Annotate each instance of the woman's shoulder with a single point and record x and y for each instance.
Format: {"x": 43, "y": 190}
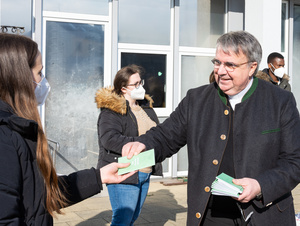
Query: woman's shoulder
{"x": 106, "y": 99}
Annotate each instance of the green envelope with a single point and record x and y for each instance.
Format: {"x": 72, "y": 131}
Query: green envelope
{"x": 142, "y": 160}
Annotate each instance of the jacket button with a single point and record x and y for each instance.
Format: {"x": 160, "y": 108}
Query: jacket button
{"x": 215, "y": 162}
{"x": 207, "y": 189}
{"x": 226, "y": 112}
{"x": 198, "y": 215}
{"x": 223, "y": 137}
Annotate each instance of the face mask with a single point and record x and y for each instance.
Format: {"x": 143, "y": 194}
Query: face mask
{"x": 41, "y": 91}
{"x": 279, "y": 72}
{"x": 138, "y": 93}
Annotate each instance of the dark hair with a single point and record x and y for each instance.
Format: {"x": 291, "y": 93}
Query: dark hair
{"x": 17, "y": 57}
{"x": 274, "y": 55}
{"x": 123, "y": 75}
{"x": 243, "y": 41}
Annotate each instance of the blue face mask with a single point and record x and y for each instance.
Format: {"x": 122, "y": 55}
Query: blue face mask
{"x": 42, "y": 90}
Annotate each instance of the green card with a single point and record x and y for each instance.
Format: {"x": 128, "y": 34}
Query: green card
{"x": 142, "y": 160}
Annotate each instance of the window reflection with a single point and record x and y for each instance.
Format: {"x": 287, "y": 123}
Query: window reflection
{"x": 16, "y": 13}
{"x": 144, "y": 22}
{"x": 154, "y": 74}
{"x": 201, "y": 27}
{"x": 94, "y": 7}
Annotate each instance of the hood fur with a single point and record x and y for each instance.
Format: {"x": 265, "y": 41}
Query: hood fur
{"x": 264, "y": 76}
{"x": 106, "y": 98}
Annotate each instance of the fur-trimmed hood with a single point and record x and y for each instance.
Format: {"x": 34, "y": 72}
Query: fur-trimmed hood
{"x": 106, "y": 98}
{"x": 264, "y": 75}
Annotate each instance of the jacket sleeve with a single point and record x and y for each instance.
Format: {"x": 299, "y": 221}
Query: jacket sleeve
{"x": 280, "y": 180}
{"x": 167, "y": 138}
{"x": 110, "y": 131}
{"x": 80, "y": 185}
{"x": 10, "y": 180}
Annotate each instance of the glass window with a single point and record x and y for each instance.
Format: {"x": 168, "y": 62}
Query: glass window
{"x": 203, "y": 26}
{"x": 154, "y": 66}
{"x": 74, "y": 69}
{"x": 16, "y": 13}
{"x": 94, "y": 7}
{"x": 284, "y": 18}
{"x": 144, "y": 22}
{"x": 198, "y": 68}
{"x": 296, "y": 53}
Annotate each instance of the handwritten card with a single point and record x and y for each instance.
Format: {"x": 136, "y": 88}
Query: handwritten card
{"x": 142, "y": 160}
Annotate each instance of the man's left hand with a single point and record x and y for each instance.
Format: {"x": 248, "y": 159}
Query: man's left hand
{"x": 251, "y": 189}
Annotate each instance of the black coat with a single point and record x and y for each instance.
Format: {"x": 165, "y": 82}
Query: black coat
{"x": 22, "y": 190}
{"x": 117, "y": 126}
{"x": 266, "y": 147}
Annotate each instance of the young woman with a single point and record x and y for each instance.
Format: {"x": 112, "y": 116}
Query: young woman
{"x": 30, "y": 190}
{"x": 126, "y": 112}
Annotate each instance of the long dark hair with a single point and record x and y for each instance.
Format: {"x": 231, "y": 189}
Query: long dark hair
{"x": 17, "y": 57}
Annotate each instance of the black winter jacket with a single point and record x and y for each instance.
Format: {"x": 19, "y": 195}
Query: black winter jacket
{"x": 22, "y": 190}
{"x": 117, "y": 126}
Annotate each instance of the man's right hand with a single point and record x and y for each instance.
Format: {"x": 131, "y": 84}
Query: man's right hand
{"x": 132, "y": 148}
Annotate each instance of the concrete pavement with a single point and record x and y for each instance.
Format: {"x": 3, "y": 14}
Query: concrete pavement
{"x": 165, "y": 205}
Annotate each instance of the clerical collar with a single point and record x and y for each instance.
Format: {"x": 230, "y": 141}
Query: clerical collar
{"x": 237, "y": 98}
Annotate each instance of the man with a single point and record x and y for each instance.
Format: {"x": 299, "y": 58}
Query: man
{"x": 239, "y": 125}
{"x": 275, "y": 73}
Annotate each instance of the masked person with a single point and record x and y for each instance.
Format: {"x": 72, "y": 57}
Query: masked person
{"x": 126, "y": 112}
{"x": 30, "y": 190}
{"x": 275, "y": 73}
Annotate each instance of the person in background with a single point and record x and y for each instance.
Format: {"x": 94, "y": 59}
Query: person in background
{"x": 275, "y": 73}
{"x": 126, "y": 112}
{"x": 30, "y": 190}
{"x": 242, "y": 126}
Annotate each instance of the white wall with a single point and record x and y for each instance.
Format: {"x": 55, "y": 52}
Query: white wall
{"x": 263, "y": 20}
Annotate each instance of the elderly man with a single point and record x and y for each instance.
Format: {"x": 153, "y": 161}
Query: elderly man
{"x": 239, "y": 125}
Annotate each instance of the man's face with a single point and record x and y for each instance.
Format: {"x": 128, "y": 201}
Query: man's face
{"x": 277, "y": 63}
{"x": 233, "y": 82}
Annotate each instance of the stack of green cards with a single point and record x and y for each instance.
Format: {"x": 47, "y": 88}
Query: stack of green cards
{"x": 142, "y": 160}
{"x": 223, "y": 185}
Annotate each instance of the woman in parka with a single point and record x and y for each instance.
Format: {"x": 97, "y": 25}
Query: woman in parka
{"x": 126, "y": 112}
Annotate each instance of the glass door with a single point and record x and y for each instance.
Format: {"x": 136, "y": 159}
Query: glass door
{"x": 74, "y": 67}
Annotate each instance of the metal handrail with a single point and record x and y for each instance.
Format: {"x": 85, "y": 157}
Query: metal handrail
{"x": 53, "y": 150}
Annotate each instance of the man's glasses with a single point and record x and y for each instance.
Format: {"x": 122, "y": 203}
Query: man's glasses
{"x": 137, "y": 84}
{"x": 230, "y": 67}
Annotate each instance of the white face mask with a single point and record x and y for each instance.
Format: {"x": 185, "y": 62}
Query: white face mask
{"x": 41, "y": 91}
{"x": 137, "y": 93}
{"x": 279, "y": 72}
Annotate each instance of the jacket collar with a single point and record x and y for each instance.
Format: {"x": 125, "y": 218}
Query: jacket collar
{"x": 26, "y": 128}
{"x": 105, "y": 98}
{"x": 223, "y": 96}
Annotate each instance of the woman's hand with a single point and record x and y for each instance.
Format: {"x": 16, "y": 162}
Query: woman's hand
{"x": 109, "y": 173}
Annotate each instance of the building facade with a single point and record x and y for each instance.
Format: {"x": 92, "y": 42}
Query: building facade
{"x": 85, "y": 42}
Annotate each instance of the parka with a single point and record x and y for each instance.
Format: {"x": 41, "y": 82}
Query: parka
{"x": 266, "y": 147}
{"x": 22, "y": 189}
{"x": 284, "y": 81}
{"x": 117, "y": 126}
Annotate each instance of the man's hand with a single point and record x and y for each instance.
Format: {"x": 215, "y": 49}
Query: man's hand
{"x": 132, "y": 148}
{"x": 251, "y": 189}
{"x": 109, "y": 173}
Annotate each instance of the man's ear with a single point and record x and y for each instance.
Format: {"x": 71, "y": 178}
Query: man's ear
{"x": 252, "y": 68}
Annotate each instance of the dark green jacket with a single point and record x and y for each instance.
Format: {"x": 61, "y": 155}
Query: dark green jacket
{"x": 266, "y": 147}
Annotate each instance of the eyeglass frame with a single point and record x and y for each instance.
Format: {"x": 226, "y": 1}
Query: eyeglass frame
{"x": 229, "y": 66}
{"x": 138, "y": 84}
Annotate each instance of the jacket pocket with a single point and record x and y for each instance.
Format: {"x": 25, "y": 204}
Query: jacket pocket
{"x": 285, "y": 203}
{"x": 270, "y": 131}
